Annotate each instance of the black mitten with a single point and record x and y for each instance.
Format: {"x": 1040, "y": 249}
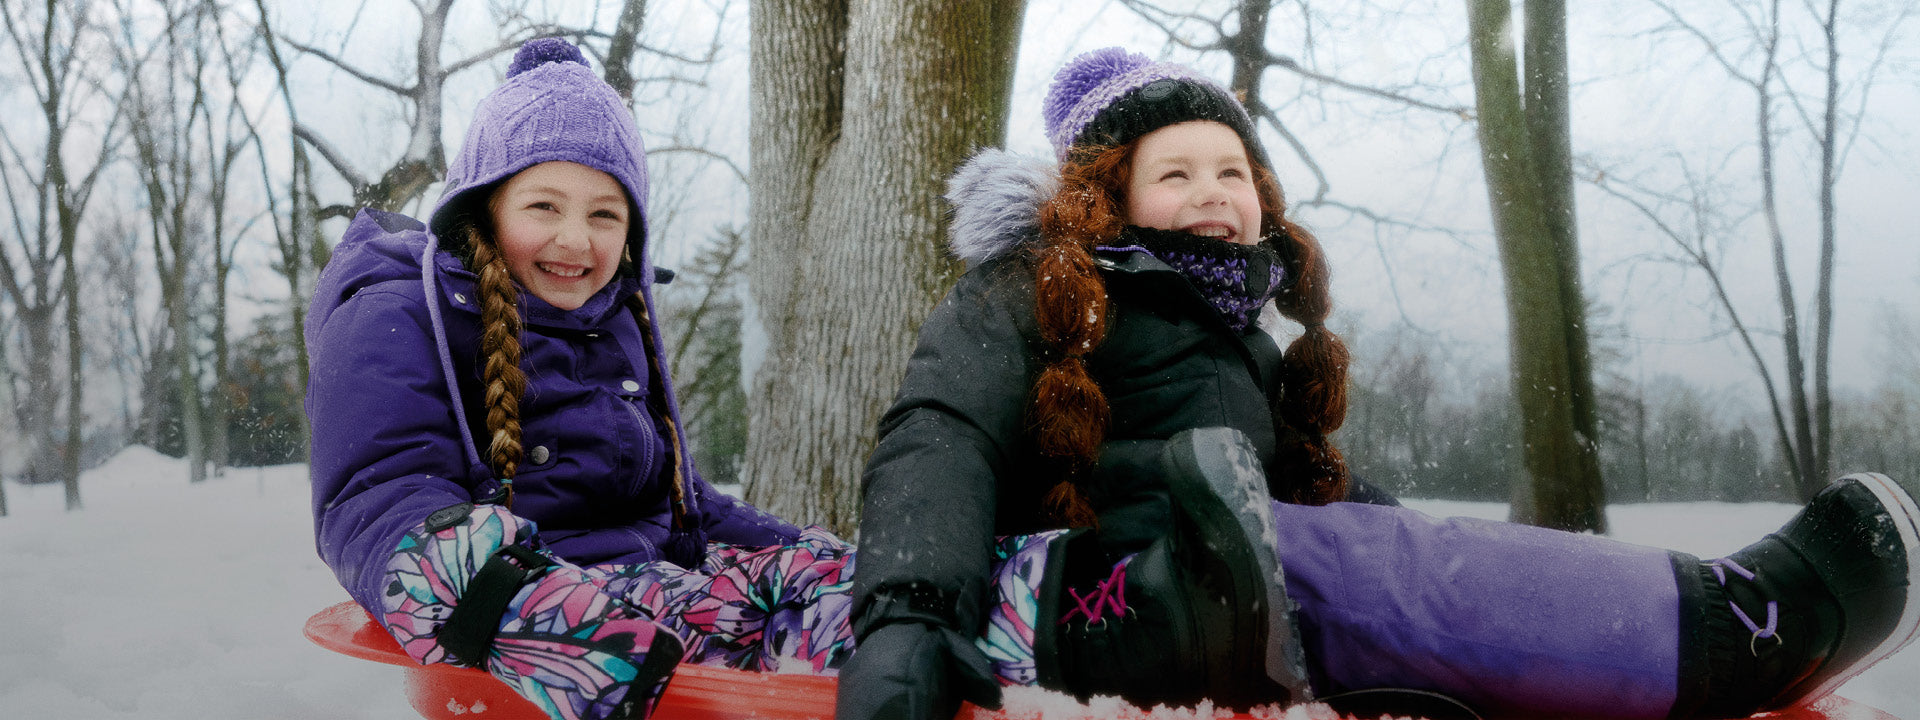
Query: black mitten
{"x": 914, "y": 671}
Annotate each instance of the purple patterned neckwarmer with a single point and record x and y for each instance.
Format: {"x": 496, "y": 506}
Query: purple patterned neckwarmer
{"x": 1235, "y": 279}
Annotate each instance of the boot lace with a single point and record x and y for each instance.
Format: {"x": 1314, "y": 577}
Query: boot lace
{"x": 1108, "y": 594}
{"x": 1771, "y": 631}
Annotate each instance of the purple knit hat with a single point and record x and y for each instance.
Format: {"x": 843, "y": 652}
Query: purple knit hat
{"x": 551, "y": 107}
{"x": 1111, "y": 97}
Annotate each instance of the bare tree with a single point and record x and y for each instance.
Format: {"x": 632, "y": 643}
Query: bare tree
{"x": 223, "y": 145}
{"x": 37, "y": 270}
{"x": 702, "y": 312}
{"x": 302, "y": 249}
{"x": 1805, "y": 426}
{"x": 1390, "y": 430}
{"x": 130, "y": 325}
{"x": 1527, "y": 153}
{"x": 1698, "y": 236}
{"x": 424, "y": 159}
{"x": 1241, "y": 32}
{"x": 859, "y": 112}
{"x": 170, "y": 107}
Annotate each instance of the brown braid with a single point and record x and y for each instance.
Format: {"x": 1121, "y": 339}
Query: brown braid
{"x": 1313, "y": 371}
{"x": 637, "y": 306}
{"x": 1069, "y": 413}
{"x": 500, "y": 346}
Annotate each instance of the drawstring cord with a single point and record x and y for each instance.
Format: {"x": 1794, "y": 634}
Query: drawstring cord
{"x": 1772, "y": 629}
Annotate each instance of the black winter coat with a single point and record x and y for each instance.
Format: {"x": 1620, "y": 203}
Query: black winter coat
{"x": 955, "y": 465}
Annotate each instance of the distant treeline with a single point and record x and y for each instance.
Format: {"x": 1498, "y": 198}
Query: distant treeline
{"x": 1421, "y": 427}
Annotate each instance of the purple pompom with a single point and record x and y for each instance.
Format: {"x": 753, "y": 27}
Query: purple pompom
{"x": 1082, "y": 75}
{"x": 540, "y": 51}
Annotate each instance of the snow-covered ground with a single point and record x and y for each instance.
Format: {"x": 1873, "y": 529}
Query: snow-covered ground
{"x": 166, "y": 600}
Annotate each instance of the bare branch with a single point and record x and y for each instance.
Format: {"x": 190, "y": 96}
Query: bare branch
{"x": 336, "y": 211}
{"x": 1866, "y": 87}
{"x": 738, "y": 172}
{"x": 333, "y": 156}
{"x": 1166, "y": 21}
{"x": 712, "y": 52}
{"x": 1321, "y": 185}
{"x": 20, "y": 47}
{"x": 109, "y": 146}
{"x": 8, "y": 275}
{"x": 731, "y": 242}
{"x": 1697, "y": 256}
{"x": 1222, "y": 40}
{"x": 1461, "y": 111}
{"x": 362, "y": 75}
{"x": 482, "y": 56}
{"x": 1712, "y": 47}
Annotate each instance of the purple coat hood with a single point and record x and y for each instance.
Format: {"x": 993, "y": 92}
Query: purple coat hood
{"x": 393, "y": 318}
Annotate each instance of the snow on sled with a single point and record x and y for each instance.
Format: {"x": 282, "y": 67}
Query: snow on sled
{"x": 698, "y": 692}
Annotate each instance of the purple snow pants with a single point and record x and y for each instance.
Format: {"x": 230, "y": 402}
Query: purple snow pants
{"x": 1510, "y": 619}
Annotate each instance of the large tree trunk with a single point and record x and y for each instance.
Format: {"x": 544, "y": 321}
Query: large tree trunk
{"x": 860, "y": 111}
{"x": 1527, "y": 156}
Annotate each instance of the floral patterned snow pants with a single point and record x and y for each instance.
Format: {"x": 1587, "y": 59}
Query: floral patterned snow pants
{"x": 788, "y": 608}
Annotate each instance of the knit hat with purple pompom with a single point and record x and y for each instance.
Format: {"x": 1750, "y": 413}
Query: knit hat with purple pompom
{"x": 551, "y": 107}
{"x": 1111, "y": 97}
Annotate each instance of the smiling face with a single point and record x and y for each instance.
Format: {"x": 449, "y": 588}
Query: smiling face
{"x": 1194, "y": 177}
{"x": 561, "y": 227}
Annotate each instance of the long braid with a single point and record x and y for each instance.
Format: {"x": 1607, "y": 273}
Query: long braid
{"x": 637, "y": 306}
{"x": 1313, "y": 370}
{"x": 500, "y": 346}
{"x": 1069, "y": 414}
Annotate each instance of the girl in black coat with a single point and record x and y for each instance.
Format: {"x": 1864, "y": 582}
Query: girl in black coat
{"x": 1099, "y": 467}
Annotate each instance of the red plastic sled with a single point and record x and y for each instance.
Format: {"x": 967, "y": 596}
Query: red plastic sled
{"x": 698, "y": 692}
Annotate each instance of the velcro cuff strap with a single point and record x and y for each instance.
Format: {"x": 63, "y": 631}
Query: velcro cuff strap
{"x": 470, "y": 628}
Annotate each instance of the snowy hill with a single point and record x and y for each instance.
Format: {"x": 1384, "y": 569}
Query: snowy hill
{"x": 165, "y": 600}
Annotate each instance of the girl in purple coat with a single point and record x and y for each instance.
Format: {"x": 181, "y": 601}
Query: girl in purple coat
{"x": 499, "y": 471}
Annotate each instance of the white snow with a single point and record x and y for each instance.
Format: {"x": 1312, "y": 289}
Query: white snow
{"x": 168, "y": 600}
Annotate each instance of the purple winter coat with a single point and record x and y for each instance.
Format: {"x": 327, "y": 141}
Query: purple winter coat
{"x": 389, "y": 446}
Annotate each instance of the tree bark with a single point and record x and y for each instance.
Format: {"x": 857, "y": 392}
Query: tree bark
{"x": 1526, "y": 154}
{"x": 860, "y": 111}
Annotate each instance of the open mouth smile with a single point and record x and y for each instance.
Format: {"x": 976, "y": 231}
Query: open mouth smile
{"x": 563, "y": 271}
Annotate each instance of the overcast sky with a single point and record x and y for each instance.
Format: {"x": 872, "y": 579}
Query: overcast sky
{"x": 1648, "y": 101}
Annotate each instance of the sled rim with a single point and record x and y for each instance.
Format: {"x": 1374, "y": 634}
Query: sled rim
{"x": 699, "y": 692}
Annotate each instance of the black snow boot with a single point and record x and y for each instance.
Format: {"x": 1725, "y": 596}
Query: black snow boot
{"x": 1806, "y": 608}
{"x": 1202, "y": 613}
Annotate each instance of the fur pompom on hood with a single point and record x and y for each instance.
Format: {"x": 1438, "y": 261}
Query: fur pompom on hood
{"x": 996, "y": 200}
